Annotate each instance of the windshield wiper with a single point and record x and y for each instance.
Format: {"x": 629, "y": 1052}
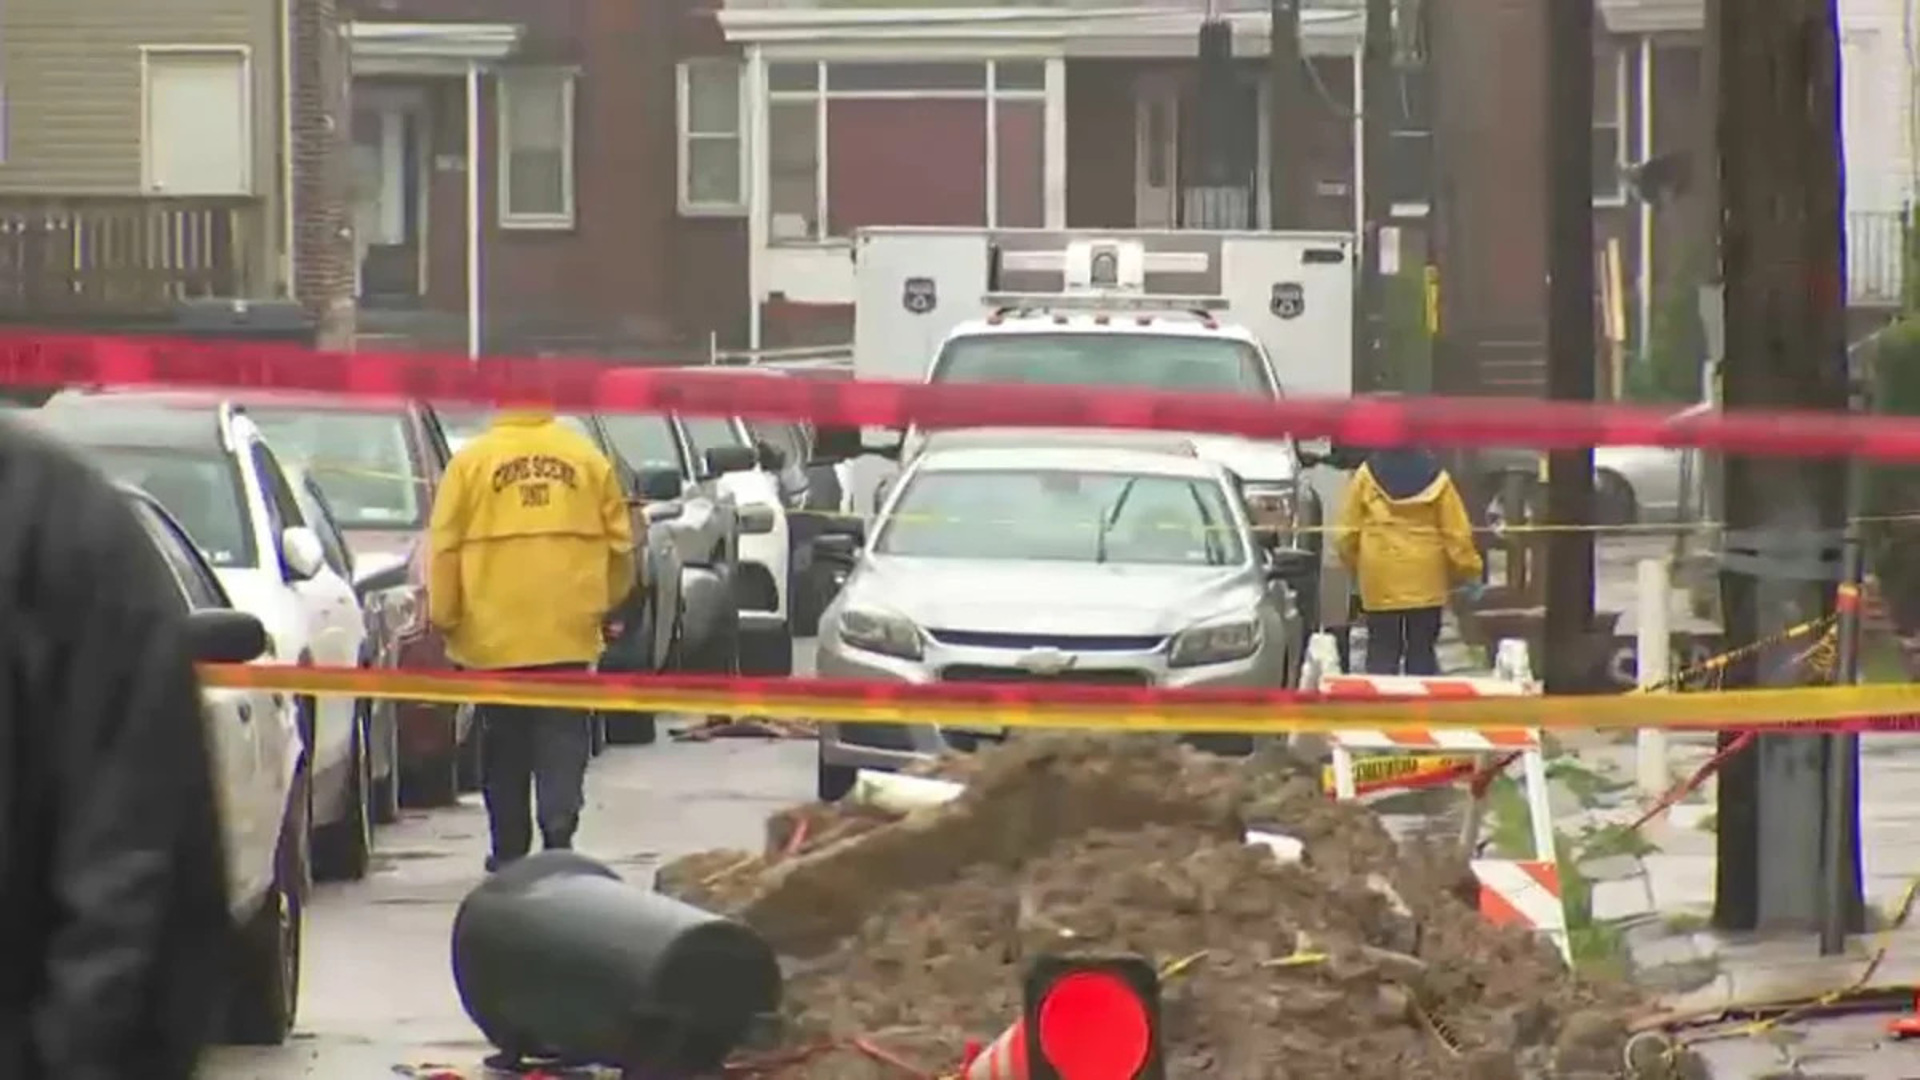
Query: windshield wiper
{"x": 1110, "y": 518}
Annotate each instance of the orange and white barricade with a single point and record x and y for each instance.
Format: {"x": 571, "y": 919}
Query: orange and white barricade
{"x": 1512, "y": 892}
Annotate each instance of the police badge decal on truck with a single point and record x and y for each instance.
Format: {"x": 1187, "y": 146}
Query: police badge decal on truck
{"x": 918, "y": 296}
{"x": 1289, "y": 300}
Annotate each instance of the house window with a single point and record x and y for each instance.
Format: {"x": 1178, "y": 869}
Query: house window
{"x": 1409, "y": 166}
{"x": 940, "y": 143}
{"x": 712, "y": 146}
{"x": 536, "y": 149}
{"x": 1611, "y": 151}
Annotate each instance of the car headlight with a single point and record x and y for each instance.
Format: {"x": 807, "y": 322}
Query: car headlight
{"x": 1271, "y": 511}
{"x": 1216, "y": 643}
{"x": 881, "y": 632}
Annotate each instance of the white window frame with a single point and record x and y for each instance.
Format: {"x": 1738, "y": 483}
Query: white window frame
{"x": 683, "y": 124}
{"x": 503, "y": 149}
{"x": 1622, "y": 124}
{"x": 819, "y": 96}
{"x": 1622, "y": 143}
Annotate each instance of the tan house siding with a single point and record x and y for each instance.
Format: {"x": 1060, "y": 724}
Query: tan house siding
{"x": 71, "y": 71}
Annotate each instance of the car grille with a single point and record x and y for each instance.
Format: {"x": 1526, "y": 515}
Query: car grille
{"x": 1090, "y": 677}
{"x": 1063, "y": 642}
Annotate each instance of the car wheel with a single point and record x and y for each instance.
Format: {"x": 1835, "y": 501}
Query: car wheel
{"x": 631, "y": 729}
{"x": 433, "y": 781}
{"x": 386, "y": 789}
{"x": 343, "y": 849}
{"x": 1613, "y": 499}
{"x": 832, "y": 782}
{"x": 767, "y": 653}
{"x": 266, "y": 987}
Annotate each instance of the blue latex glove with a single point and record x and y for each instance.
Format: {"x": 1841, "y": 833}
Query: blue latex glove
{"x": 1472, "y": 592}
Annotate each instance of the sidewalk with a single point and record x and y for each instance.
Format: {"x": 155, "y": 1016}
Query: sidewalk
{"x": 1660, "y": 900}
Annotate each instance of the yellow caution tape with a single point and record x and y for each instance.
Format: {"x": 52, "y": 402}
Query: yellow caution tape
{"x": 1876, "y": 707}
{"x": 1387, "y": 770}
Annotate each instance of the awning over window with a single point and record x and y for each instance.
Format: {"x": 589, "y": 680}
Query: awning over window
{"x": 397, "y": 48}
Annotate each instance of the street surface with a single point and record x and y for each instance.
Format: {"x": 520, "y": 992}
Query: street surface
{"x": 377, "y": 994}
{"x": 377, "y": 991}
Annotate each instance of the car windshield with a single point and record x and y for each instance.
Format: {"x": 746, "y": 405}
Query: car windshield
{"x": 203, "y": 491}
{"x": 1062, "y": 516}
{"x": 644, "y": 442}
{"x": 1173, "y": 362}
{"x": 362, "y": 460}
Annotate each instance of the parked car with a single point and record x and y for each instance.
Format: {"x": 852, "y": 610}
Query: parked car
{"x": 380, "y": 466}
{"x": 381, "y": 764}
{"x": 1631, "y": 484}
{"x": 726, "y": 462}
{"x": 206, "y": 462}
{"x": 1112, "y": 560}
{"x": 259, "y": 770}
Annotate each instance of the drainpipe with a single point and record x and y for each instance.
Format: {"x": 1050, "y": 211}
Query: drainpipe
{"x": 288, "y": 221}
{"x": 474, "y": 314}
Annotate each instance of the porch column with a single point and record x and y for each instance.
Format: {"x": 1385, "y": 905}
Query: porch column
{"x": 759, "y": 199}
{"x": 1054, "y": 164}
{"x": 474, "y": 230}
{"x": 1643, "y": 275}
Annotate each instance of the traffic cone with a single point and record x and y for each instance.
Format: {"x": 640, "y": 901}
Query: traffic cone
{"x": 1004, "y": 1059}
{"x": 1905, "y": 1027}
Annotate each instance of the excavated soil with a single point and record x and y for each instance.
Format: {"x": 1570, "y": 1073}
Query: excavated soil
{"x": 911, "y": 935}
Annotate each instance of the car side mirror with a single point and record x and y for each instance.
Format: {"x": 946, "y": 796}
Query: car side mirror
{"x": 721, "y": 460}
{"x": 659, "y": 485}
{"x": 832, "y": 445}
{"x": 386, "y": 575}
{"x": 301, "y": 553}
{"x": 225, "y": 636}
{"x": 883, "y": 442}
{"x": 771, "y": 457}
{"x": 1291, "y": 564}
{"x": 838, "y": 548}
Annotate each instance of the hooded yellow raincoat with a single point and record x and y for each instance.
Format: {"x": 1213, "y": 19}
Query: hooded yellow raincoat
{"x": 1404, "y": 533}
{"x": 531, "y": 546}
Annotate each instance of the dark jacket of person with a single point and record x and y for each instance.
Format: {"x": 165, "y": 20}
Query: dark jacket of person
{"x": 114, "y": 923}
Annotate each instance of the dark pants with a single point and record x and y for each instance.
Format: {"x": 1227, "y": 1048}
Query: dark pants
{"x": 1403, "y": 642}
{"x": 527, "y": 751}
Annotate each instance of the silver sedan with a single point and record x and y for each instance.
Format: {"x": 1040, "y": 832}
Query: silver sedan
{"x": 1054, "y": 563}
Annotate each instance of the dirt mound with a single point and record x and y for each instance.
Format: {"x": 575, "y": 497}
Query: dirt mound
{"x": 1361, "y": 962}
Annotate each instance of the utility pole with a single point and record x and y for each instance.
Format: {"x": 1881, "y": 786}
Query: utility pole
{"x": 1377, "y": 115}
{"x": 1570, "y": 660}
{"x": 1287, "y": 166}
{"x": 1790, "y": 854}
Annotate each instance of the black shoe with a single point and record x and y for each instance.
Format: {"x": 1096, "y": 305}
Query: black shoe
{"x": 556, "y": 842}
{"x": 506, "y": 1061}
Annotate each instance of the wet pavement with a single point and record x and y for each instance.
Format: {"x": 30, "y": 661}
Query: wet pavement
{"x": 377, "y": 995}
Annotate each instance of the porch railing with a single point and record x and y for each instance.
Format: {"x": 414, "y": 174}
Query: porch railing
{"x": 69, "y": 257}
{"x": 1876, "y": 258}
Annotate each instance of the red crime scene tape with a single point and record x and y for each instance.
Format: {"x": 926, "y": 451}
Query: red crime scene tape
{"x": 64, "y": 360}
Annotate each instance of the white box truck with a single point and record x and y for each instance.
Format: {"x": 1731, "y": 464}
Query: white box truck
{"x": 1262, "y": 314}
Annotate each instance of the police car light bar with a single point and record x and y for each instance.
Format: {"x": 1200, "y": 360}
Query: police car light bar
{"x": 1102, "y": 301}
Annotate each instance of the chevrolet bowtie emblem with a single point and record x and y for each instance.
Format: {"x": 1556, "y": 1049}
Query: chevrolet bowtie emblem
{"x": 1046, "y": 661}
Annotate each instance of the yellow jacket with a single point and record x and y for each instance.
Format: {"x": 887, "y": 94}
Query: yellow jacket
{"x": 1404, "y": 533}
{"x": 531, "y": 547}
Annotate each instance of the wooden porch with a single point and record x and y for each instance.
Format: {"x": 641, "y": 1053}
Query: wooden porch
{"x": 68, "y": 257}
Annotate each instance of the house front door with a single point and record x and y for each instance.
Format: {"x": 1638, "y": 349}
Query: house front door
{"x": 389, "y": 209}
{"x": 1156, "y": 151}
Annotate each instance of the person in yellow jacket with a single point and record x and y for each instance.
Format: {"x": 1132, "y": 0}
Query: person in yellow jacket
{"x": 532, "y": 548}
{"x": 1404, "y": 534}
